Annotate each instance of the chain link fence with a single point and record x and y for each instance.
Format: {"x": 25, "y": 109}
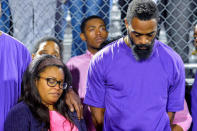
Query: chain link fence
{"x": 30, "y": 20}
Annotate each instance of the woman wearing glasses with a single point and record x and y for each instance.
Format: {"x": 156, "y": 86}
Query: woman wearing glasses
{"x": 42, "y": 105}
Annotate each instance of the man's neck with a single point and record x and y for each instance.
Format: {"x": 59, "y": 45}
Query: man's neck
{"x": 92, "y": 51}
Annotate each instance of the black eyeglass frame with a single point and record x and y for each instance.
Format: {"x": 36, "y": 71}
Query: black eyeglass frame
{"x": 53, "y": 84}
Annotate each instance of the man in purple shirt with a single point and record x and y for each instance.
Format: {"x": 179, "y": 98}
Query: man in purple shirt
{"x": 14, "y": 58}
{"x": 194, "y": 104}
{"x": 136, "y": 83}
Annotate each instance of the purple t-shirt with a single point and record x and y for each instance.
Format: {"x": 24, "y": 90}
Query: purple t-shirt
{"x": 194, "y": 104}
{"x": 14, "y": 58}
{"x": 136, "y": 95}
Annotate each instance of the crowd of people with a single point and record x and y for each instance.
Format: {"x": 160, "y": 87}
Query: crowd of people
{"x": 130, "y": 83}
{"x": 22, "y": 20}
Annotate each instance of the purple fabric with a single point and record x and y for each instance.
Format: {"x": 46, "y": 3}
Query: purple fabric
{"x": 14, "y": 58}
{"x": 136, "y": 95}
{"x": 194, "y": 104}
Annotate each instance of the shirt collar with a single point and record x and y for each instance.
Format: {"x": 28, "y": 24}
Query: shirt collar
{"x": 88, "y": 53}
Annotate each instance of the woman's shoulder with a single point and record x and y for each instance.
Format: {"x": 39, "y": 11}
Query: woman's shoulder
{"x": 20, "y": 108}
{"x": 18, "y": 117}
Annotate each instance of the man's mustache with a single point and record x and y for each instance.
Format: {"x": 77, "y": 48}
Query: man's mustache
{"x": 143, "y": 46}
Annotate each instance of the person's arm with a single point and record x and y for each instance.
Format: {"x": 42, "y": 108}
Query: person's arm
{"x": 96, "y": 89}
{"x": 97, "y": 117}
{"x": 174, "y": 127}
{"x": 74, "y": 103}
{"x": 171, "y": 117}
{"x": 176, "y": 92}
{"x": 182, "y": 119}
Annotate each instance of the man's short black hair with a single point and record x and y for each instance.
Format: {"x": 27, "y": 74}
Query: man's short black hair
{"x": 108, "y": 41}
{"x": 143, "y": 10}
{"x": 83, "y": 24}
{"x": 45, "y": 39}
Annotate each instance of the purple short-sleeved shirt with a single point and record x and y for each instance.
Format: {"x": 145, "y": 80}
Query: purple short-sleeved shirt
{"x": 14, "y": 59}
{"x": 194, "y": 104}
{"x": 136, "y": 95}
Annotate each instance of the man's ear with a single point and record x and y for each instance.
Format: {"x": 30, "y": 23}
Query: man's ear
{"x": 32, "y": 56}
{"x": 126, "y": 23}
{"x": 82, "y": 36}
{"x": 107, "y": 34}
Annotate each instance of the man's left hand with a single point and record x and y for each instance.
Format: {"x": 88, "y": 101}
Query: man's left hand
{"x": 74, "y": 103}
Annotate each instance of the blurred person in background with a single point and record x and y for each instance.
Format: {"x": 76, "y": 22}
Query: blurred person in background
{"x": 5, "y": 20}
{"x": 80, "y": 9}
{"x": 32, "y": 20}
{"x": 175, "y": 17}
{"x": 193, "y": 56}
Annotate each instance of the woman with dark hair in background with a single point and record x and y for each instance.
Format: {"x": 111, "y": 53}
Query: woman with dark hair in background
{"x": 42, "y": 105}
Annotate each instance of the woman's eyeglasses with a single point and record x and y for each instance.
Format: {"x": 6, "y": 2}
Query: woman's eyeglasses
{"x": 52, "y": 82}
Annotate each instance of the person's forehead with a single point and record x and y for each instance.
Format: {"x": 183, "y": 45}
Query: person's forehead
{"x": 143, "y": 26}
{"x": 47, "y": 44}
{"x": 51, "y": 71}
{"x": 94, "y": 22}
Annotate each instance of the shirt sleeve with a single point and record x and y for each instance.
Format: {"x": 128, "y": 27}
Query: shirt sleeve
{"x": 176, "y": 92}
{"x": 194, "y": 103}
{"x": 183, "y": 118}
{"x": 95, "y": 93}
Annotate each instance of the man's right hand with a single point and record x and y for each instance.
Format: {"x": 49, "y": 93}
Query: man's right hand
{"x": 97, "y": 117}
{"x": 176, "y": 128}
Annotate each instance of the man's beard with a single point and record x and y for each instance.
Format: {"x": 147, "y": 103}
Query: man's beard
{"x": 141, "y": 51}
